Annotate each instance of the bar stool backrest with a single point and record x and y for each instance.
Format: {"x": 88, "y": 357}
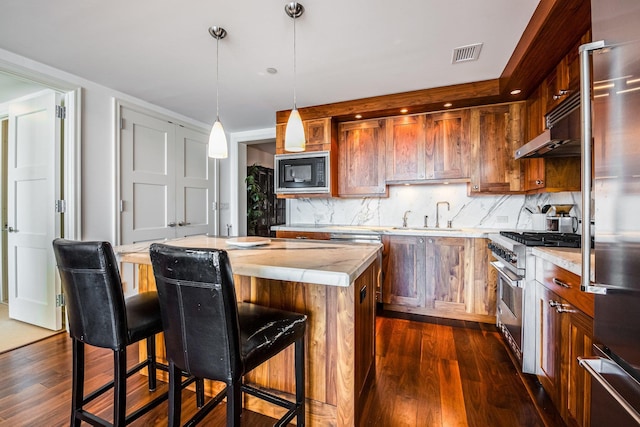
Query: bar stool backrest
{"x": 94, "y": 299}
{"x": 199, "y": 310}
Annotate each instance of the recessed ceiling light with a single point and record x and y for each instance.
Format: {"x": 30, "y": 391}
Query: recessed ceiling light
{"x": 272, "y": 70}
{"x": 516, "y": 92}
{"x": 448, "y": 104}
{"x": 404, "y": 111}
{"x": 358, "y": 116}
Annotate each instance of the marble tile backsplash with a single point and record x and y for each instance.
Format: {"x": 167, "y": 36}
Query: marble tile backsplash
{"x": 487, "y": 211}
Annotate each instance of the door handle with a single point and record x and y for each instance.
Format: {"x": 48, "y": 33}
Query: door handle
{"x": 171, "y": 224}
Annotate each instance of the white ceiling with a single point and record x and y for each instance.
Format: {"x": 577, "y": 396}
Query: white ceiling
{"x": 160, "y": 50}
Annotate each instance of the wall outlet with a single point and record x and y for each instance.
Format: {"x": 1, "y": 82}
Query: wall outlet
{"x": 502, "y": 219}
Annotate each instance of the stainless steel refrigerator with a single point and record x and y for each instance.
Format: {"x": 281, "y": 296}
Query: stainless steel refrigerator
{"x": 610, "y": 86}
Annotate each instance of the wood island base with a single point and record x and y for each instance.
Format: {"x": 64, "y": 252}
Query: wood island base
{"x": 340, "y": 344}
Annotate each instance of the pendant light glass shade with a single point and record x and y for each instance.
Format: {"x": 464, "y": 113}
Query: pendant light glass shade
{"x": 294, "y": 139}
{"x": 217, "y": 137}
{"x": 218, "y": 142}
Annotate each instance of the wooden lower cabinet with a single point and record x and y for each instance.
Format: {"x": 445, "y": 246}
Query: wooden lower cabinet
{"x": 404, "y": 270}
{"x": 438, "y": 276}
{"x": 564, "y": 333}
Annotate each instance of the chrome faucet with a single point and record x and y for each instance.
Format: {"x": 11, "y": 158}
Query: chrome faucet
{"x": 438, "y": 212}
{"x": 404, "y": 218}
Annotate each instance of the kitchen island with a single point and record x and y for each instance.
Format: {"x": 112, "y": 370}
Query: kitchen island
{"x": 334, "y": 284}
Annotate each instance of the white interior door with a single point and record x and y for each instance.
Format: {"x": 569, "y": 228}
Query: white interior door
{"x": 147, "y": 177}
{"x": 194, "y": 183}
{"x": 33, "y": 186}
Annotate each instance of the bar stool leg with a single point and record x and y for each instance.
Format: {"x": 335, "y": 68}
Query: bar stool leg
{"x": 234, "y": 403}
{"x": 120, "y": 387}
{"x": 151, "y": 359}
{"x": 175, "y": 395}
{"x": 300, "y": 381}
{"x": 77, "y": 387}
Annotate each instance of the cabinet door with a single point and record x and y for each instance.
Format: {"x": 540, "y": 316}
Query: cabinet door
{"x": 445, "y": 289}
{"x": 496, "y": 132}
{"x": 534, "y": 168}
{"x": 405, "y": 148}
{"x": 550, "y": 338}
{"x": 577, "y": 343}
{"x": 403, "y": 262}
{"x": 361, "y": 151}
{"x": 447, "y": 145}
{"x": 318, "y": 133}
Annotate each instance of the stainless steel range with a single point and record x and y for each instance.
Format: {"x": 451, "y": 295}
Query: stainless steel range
{"x": 516, "y": 289}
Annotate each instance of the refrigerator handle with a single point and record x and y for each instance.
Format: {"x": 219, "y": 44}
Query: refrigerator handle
{"x": 585, "y": 109}
{"x": 598, "y": 366}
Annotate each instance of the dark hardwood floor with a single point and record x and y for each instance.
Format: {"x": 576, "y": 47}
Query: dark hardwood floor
{"x": 428, "y": 373}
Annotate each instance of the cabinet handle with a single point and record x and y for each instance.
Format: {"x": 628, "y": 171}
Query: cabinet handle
{"x": 301, "y": 237}
{"x": 560, "y": 94}
{"x": 565, "y": 308}
{"x": 475, "y": 187}
{"x": 554, "y": 304}
{"x": 539, "y": 182}
{"x": 171, "y": 224}
{"x": 561, "y": 283}
{"x": 183, "y": 223}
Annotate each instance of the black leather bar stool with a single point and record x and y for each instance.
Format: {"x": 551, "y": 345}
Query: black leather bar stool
{"x": 99, "y": 315}
{"x": 209, "y": 335}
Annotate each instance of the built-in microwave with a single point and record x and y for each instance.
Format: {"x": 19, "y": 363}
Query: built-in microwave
{"x": 302, "y": 173}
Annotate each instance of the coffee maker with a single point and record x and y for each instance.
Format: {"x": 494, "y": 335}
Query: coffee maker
{"x": 560, "y": 220}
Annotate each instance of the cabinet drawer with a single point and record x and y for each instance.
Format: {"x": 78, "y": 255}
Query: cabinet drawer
{"x": 565, "y": 284}
{"x": 312, "y": 235}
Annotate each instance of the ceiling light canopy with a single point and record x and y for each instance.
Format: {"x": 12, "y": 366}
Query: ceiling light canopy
{"x": 217, "y": 138}
{"x": 294, "y": 138}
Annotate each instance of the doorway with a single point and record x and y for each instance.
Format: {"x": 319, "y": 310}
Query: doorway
{"x": 16, "y": 271}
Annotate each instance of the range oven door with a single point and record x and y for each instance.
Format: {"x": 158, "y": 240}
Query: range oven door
{"x": 509, "y": 309}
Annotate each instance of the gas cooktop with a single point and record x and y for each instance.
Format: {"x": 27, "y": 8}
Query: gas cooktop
{"x": 541, "y": 238}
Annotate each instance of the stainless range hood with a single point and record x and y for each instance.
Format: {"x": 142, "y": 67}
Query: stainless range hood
{"x": 562, "y": 137}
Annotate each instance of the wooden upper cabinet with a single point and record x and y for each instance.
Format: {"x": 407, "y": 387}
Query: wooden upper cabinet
{"x": 447, "y": 145}
{"x": 320, "y": 135}
{"x": 405, "y": 148}
{"x": 361, "y": 158}
{"x": 496, "y": 132}
{"x": 428, "y": 147}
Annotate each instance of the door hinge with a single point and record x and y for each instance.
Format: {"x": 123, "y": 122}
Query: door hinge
{"x": 61, "y": 112}
{"x": 61, "y": 206}
{"x": 60, "y": 300}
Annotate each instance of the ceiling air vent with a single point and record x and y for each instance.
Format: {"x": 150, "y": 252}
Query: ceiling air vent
{"x": 466, "y": 53}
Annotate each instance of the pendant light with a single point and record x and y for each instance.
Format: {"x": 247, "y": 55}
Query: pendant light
{"x": 217, "y": 138}
{"x": 294, "y": 139}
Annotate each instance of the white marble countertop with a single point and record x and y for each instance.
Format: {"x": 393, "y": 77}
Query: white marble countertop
{"x": 366, "y": 229}
{"x": 323, "y": 263}
{"x": 568, "y": 258}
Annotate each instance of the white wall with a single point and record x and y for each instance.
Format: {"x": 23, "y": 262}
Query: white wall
{"x": 97, "y": 139}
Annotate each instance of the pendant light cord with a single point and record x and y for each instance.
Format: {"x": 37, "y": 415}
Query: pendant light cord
{"x": 217, "y": 80}
{"x": 294, "y": 58}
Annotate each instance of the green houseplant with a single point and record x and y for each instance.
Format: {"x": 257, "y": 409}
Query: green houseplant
{"x": 256, "y": 199}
